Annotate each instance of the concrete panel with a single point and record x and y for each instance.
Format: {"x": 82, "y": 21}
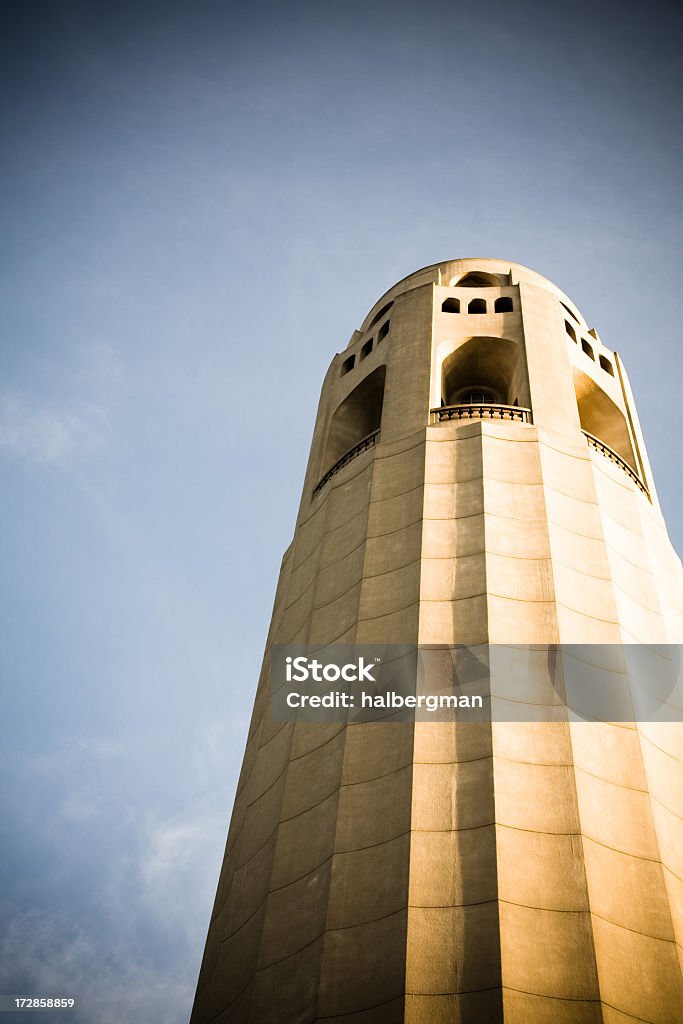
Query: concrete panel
{"x": 453, "y": 501}
{"x": 363, "y": 966}
{"x": 453, "y": 868}
{"x": 445, "y": 799}
{"x": 260, "y": 818}
{"x": 520, "y": 578}
{"x": 454, "y": 622}
{"x": 391, "y": 514}
{"x": 609, "y": 751}
{"x": 295, "y": 916}
{"x": 287, "y": 990}
{"x": 369, "y": 884}
{"x": 573, "y": 514}
{"x": 247, "y": 892}
{"x": 616, "y": 816}
{"x": 330, "y": 620}
{"x": 568, "y": 472}
{"x": 447, "y": 579}
{"x": 537, "y": 797}
{"x": 336, "y": 580}
{"x": 460, "y": 462}
{"x": 374, "y": 812}
{"x": 521, "y": 622}
{"x": 536, "y": 869}
{"x": 313, "y": 777}
{"x": 389, "y": 629}
{"x": 650, "y": 986}
{"x": 384, "y": 594}
{"x": 453, "y": 949}
{"x": 566, "y": 968}
{"x": 628, "y": 891}
{"x": 389, "y": 552}
{"x": 375, "y": 749}
{"x": 444, "y": 538}
{"x": 305, "y": 842}
{"x": 513, "y": 536}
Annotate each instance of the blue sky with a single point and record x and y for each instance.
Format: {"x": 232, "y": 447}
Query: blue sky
{"x": 199, "y": 206}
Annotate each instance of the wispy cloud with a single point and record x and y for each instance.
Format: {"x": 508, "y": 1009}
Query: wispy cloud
{"x": 54, "y": 434}
{"x": 127, "y": 941}
{"x": 112, "y": 980}
{"x": 68, "y": 423}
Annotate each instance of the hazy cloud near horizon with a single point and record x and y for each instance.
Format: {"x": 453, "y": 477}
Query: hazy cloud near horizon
{"x": 201, "y": 203}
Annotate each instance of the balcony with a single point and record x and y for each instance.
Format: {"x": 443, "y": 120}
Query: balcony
{"x": 480, "y": 412}
{"x": 367, "y": 442}
{"x": 604, "y": 449}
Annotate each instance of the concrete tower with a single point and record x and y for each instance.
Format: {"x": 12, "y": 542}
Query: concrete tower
{"x": 477, "y": 476}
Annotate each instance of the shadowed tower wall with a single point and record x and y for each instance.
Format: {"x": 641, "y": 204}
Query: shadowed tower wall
{"x": 477, "y": 475}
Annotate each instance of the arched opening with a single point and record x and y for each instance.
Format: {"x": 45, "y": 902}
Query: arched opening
{"x": 378, "y": 316}
{"x": 367, "y": 348}
{"x": 347, "y": 365}
{"x": 483, "y": 371}
{"x": 570, "y": 330}
{"x": 383, "y": 331}
{"x": 477, "y": 306}
{"x": 450, "y": 306}
{"x": 588, "y": 349}
{"x": 603, "y": 419}
{"x": 503, "y": 304}
{"x": 606, "y": 365}
{"x": 358, "y": 415}
{"x": 481, "y": 279}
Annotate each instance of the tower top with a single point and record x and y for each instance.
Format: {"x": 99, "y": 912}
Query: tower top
{"x": 473, "y": 272}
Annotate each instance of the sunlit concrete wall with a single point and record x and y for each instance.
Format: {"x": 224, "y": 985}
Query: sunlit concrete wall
{"x": 526, "y": 872}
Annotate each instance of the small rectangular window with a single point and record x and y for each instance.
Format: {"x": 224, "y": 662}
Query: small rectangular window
{"x": 348, "y": 364}
{"x": 367, "y": 348}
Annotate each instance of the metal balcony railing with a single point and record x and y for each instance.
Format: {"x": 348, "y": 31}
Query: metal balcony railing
{"x": 605, "y": 449}
{"x": 367, "y": 442}
{"x": 484, "y": 411}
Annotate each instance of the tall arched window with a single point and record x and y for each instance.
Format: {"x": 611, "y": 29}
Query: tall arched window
{"x": 602, "y": 418}
{"x": 488, "y": 371}
{"x": 588, "y": 349}
{"x": 477, "y": 306}
{"x": 358, "y": 415}
{"x": 570, "y": 330}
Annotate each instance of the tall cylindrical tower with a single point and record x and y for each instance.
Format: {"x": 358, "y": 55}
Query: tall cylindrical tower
{"x": 477, "y": 476}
